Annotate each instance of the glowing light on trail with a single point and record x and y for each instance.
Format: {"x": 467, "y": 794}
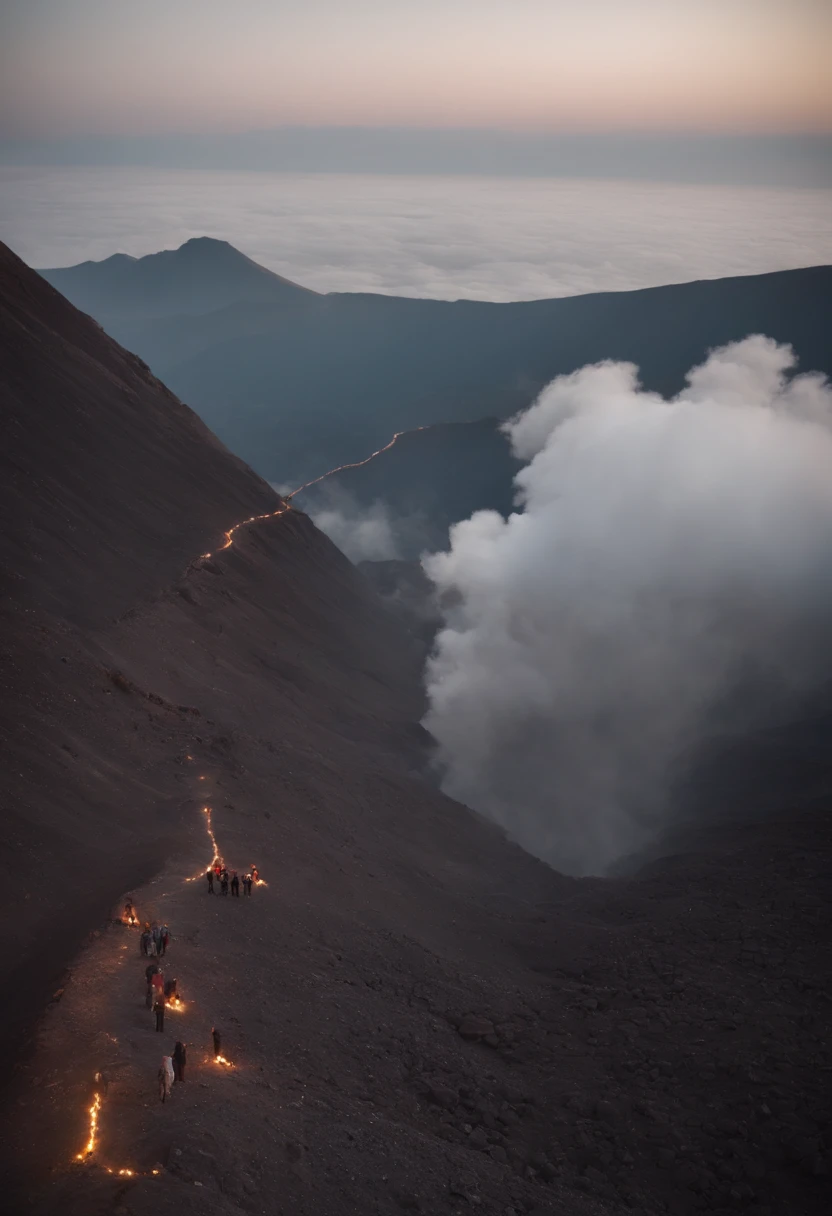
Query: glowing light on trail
{"x": 287, "y": 498}
{"x": 89, "y": 1149}
{"x": 92, "y": 1143}
{"x": 217, "y": 856}
{"x": 355, "y": 464}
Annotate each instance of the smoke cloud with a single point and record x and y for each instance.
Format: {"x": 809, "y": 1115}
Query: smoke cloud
{"x": 668, "y": 578}
{"x": 361, "y": 533}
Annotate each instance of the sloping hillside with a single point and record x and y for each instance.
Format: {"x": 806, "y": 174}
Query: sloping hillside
{"x": 299, "y": 385}
{"x": 418, "y": 1016}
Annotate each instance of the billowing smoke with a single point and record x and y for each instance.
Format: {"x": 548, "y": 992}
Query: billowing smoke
{"x": 668, "y": 579}
{"x": 362, "y": 533}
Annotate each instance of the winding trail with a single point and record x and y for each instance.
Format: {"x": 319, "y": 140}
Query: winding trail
{"x": 307, "y": 485}
{"x": 89, "y": 1151}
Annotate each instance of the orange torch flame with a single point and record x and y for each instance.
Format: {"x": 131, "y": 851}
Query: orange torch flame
{"x": 89, "y": 1148}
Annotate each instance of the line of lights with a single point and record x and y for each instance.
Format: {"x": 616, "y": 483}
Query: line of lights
{"x": 307, "y": 485}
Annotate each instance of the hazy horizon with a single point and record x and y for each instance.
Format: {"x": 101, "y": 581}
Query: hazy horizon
{"x": 444, "y": 237}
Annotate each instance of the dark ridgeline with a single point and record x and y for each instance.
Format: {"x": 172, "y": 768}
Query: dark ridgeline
{"x": 296, "y": 382}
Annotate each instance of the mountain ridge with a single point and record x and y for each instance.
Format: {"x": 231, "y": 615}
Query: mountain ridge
{"x": 217, "y": 274}
{"x": 305, "y": 382}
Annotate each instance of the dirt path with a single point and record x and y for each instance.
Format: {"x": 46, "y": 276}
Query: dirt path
{"x": 122, "y": 1109}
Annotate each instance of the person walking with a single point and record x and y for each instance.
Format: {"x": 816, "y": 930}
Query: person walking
{"x": 159, "y": 1010}
{"x": 157, "y": 988}
{"x": 149, "y": 972}
{"x": 180, "y": 1056}
{"x": 224, "y": 883}
{"x": 210, "y": 877}
{"x": 165, "y": 938}
{"x": 157, "y": 938}
{"x": 166, "y": 1077}
{"x": 144, "y": 941}
{"x": 247, "y": 884}
{"x": 235, "y": 885}
{"x": 217, "y": 1037}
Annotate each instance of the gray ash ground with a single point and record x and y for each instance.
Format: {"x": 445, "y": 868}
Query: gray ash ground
{"x": 655, "y": 1045}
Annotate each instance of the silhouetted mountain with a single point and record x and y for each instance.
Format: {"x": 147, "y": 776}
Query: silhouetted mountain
{"x": 310, "y": 381}
{"x": 200, "y": 277}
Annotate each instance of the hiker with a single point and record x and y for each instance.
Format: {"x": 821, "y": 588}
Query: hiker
{"x": 247, "y": 884}
{"x": 179, "y": 1060}
{"x": 159, "y": 1010}
{"x": 210, "y": 877}
{"x": 166, "y": 1077}
{"x": 224, "y": 884}
{"x": 215, "y": 1035}
{"x": 165, "y": 938}
{"x": 156, "y": 987}
{"x": 235, "y": 885}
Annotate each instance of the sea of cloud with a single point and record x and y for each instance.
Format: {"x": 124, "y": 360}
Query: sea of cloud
{"x": 444, "y": 237}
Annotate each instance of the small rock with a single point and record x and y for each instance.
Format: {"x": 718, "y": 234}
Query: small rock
{"x": 474, "y": 1027}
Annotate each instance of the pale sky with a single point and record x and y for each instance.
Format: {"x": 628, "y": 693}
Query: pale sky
{"x": 127, "y": 67}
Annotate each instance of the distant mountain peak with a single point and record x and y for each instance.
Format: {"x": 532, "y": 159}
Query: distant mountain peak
{"x": 208, "y": 245}
{"x": 203, "y": 274}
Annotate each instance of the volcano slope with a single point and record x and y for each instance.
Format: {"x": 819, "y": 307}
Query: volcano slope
{"x": 420, "y": 1017}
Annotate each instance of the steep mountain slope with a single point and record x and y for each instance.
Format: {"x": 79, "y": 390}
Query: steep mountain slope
{"x": 301, "y": 385}
{"x": 420, "y": 1017}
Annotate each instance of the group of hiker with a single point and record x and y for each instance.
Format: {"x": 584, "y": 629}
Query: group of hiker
{"x": 155, "y": 939}
{"x": 219, "y": 872}
{"x": 161, "y": 993}
{"x": 172, "y": 1068}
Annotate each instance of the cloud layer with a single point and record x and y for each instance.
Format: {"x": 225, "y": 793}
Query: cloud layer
{"x": 670, "y": 576}
{"x": 478, "y": 238}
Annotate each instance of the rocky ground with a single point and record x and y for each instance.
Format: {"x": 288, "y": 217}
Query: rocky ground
{"x": 656, "y": 1045}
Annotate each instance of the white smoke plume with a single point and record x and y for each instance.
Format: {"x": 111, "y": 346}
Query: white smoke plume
{"x": 669, "y": 577}
{"x": 362, "y": 533}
